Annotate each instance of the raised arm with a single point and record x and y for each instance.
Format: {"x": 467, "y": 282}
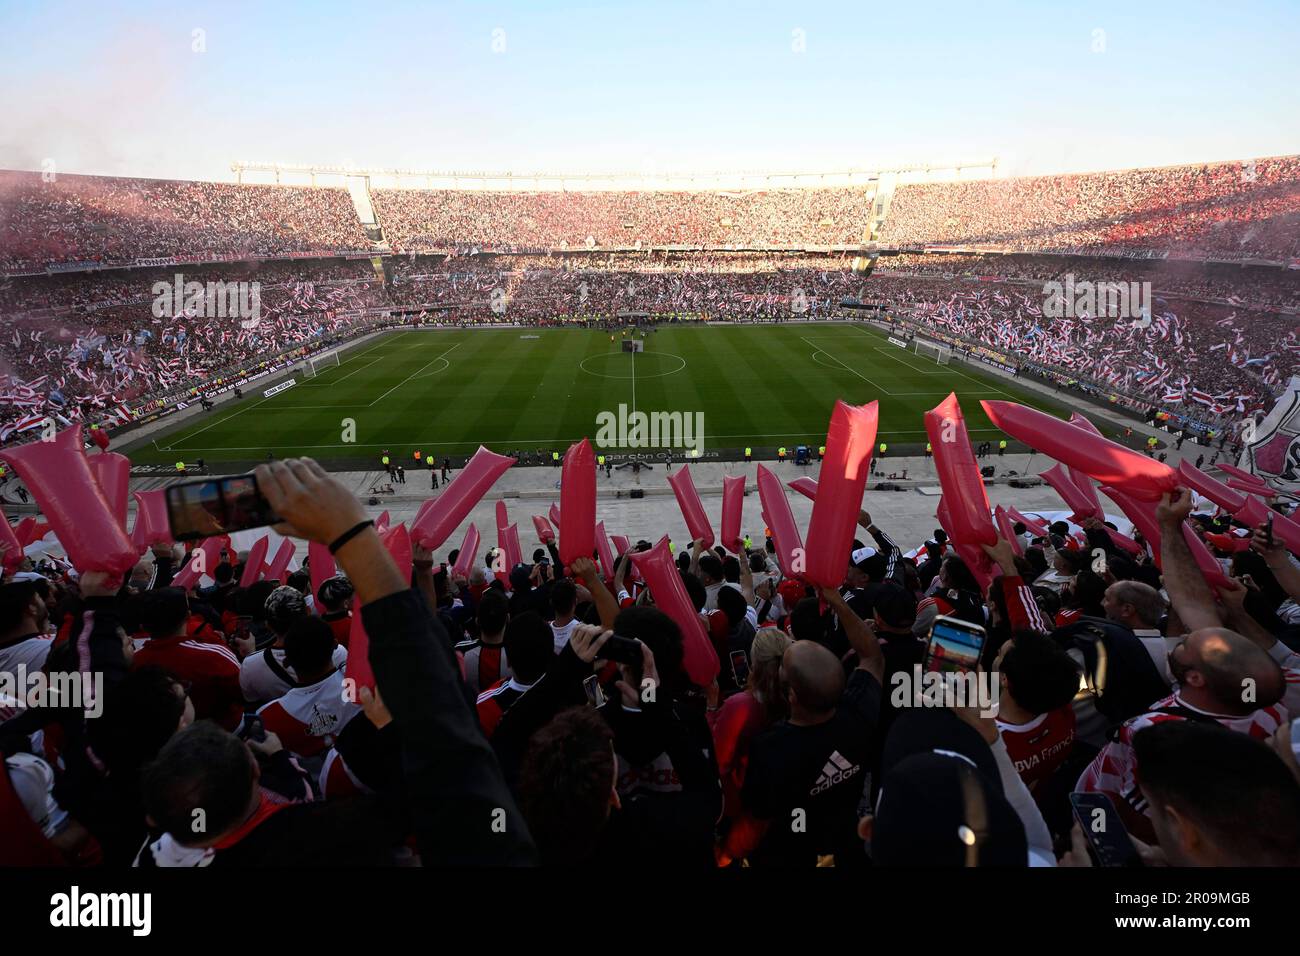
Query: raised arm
{"x": 861, "y": 636}
{"x": 1187, "y": 589}
{"x": 606, "y": 603}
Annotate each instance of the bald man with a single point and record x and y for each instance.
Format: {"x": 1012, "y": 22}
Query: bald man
{"x": 1139, "y": 607}
{"x": 805, "y": 776}
{"x": 1221, "y": 677}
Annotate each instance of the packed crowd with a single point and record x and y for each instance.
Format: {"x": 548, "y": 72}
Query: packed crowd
{"x": 106, "y": 220}
{"x": 1242, "y": 210}
{"x": 416, "y": 220}
{"x": 558, "y": 713}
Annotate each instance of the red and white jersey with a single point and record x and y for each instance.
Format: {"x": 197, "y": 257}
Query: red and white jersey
{"x": 1038, "y": 747}
{"x": 261, "y": 684}
{"x": 212, "y": 671}
{"x": 307, "y": 719}
{"x": 1114, "y": 770}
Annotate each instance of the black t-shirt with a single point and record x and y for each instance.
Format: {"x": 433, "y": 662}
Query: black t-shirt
{"x": 819, "y": 770}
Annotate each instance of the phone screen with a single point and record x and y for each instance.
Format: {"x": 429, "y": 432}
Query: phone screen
{"x": 595, "y": 696}
{"x": 740, "y": 668}
{"x": 1107, "y": 837}
{"x": 954, "y": 646}
{"x": 200, "y": 509}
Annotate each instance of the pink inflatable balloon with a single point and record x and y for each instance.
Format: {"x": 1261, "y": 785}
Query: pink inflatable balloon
{"x": 508, "y": 541}
{"x": 974, "y": 557}
{"x": 1141, "y": 477}
{"x": 1124, "y": 542}
{"x": 13, "y": 551}
{"x": 1233, "y": 471}
{"x": 554, "y": 514}
{"x": 545, "y": 533}
{"x": 621, "y": 544}
{"x": 113, "y": 474}
{"x": 450, "y": 508}
{"x": 322, "y": 567}
{"x": 26, "y": 531}
{"x": 1143, "y": 516}
{"x": 1252, "y": 488}
{"x": 656, "y": 566}
{"x": 503, "y": 516}
{"x": 279, "y": 567}
{"x": 468, "y": 548}
{"x": 733, "y": 505}
{"x": 1204, "y": 485}
{"x": 1085, "y": 423}
{"x": 59, "y": 478}
{"x": 1007, "y": 530}
{"x": 840, "y": 484}
{"x": 963, "y": 487}
{"x": 688, "y": 500}
{"x": 1074, "y": 497}
{"x": 151, "y": 525}
{"x": 255, "y": 563}
{"x": 578, "y": 503}
{"x": 382, "y": 523}
{"x": 398, "y": 542}
{"x": 1035, "y": 526}
{"x": 805, "y": 486}
{"x": 790, "y": 554}
{"x": 196, "y": 567}
{"x": 605, "y": 551}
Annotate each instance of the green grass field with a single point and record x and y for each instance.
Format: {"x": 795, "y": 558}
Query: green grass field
{"x": 447, "y": 392}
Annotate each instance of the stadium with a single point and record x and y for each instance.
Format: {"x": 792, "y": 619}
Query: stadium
{"x": 440, "y": 496}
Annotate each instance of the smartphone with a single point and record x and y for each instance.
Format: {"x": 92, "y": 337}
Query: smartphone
{"x": 595, "y": 696}
{"x": 954, "y": 646}
{"x": 1108, "y": 840}
{"x": 200, "y": 509}
{"x": 621, "y": 650}
{"x": 252, "y": 729}
{"x": 740, "y": 667}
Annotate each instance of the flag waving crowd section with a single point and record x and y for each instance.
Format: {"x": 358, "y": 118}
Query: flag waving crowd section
{"x": 619, "y": 700}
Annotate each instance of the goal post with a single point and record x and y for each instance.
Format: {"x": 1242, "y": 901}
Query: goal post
{"x": 315, "y": 365}
{"x": 940, "y": 353}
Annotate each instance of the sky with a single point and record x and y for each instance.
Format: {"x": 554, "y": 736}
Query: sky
{"x": 180, "y": 90}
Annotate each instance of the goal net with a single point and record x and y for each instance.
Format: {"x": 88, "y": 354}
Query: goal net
{"x": 316, "y": 365}
{"x": 940, "y": 353}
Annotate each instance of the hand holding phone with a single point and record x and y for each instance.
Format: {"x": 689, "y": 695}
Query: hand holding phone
{"x": 1108, "y": 840}
{"x": 955, "y": 645}
{"x": 201, "y": 509}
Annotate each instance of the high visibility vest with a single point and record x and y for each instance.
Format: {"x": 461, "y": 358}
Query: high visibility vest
{"x": 180, "y": 466}
{"x": 555, "y": 456}
{"x": 883, "y": 446}
{"x": 927, "y": 447}
{"x": 600, "y": 460}
{"x": 748, "y": 451}
{"x": 748, "y": 542}
{"x": 822, "y": 451}
{"x": 384, "y": 460}
{"x": 1003, "y": 443}
{"x": 417, "y": 456}
{"x": 781, "y": 451}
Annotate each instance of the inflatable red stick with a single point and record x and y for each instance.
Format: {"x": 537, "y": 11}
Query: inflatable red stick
{"x": 805, "y": 486}
{"x": 790, "y": 553}
{"x": 382, "y": 523}
{"x": 449, "y": 509}
{"x": 1201, "y": 483}
{"x": 468, "y": 548}
{"x": 203, "y": 560}
{"x": 840, "y": 484}
{"x": 322, "y": 567}
{"x": 1143, "y": 516}
{"x": 1138, "y": 476}
{"x": 113, "y": 474}
{"x": 398, "y": 542}
{"x": 278, "y": 570}
{"x": 733, "y": 504}
{"x": 151, "y": 524}
{"x": 578, "y": 503}
{"x": 688, "y": 500}
{"x": 1035, "y": 526}
{"x": 1007, "y": 530}
{"x": 13, "y": 551}
{"x": 1070, "y": 493}
{"x": 605, "y": 551}
{"x": 545, "y": 533}
{"x": 503, "y": 516}
{"x": 964, "y": 497}
{"x": 656, "y": 566}
{"x": 58, "y": 476}
{"x": 621, "y": 544}
{"x": 554, "y": 515}
{"x": 508, "y": 542}
{"x": 254, "y": 564}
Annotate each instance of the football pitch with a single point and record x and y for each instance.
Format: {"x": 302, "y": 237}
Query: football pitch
{"x": 445, "y": 392}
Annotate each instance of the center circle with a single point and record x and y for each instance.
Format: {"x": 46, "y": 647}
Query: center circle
{"x": 619, "y": 364}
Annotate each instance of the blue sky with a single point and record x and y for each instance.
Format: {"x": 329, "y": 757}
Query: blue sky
{"x": 117, "y": 88}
